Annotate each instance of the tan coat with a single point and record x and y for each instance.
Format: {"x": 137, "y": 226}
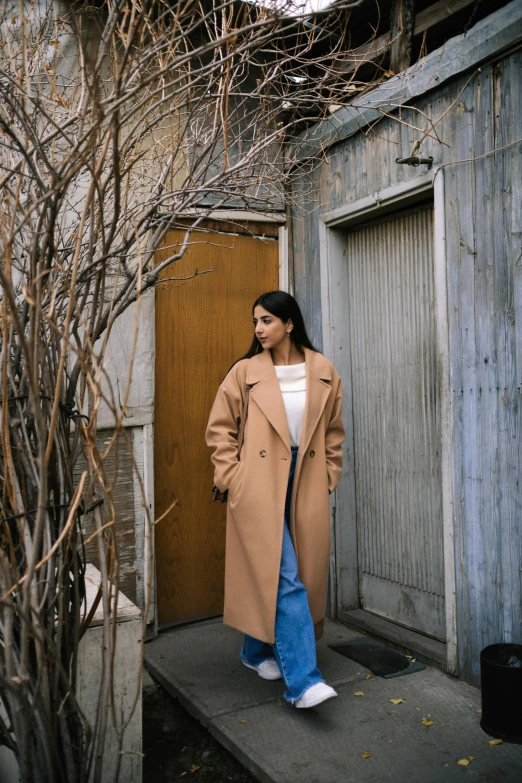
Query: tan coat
{"x": 257, "y": 487}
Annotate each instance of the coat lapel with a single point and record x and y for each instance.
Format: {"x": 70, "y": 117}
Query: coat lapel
{"x": 318, "y": 376}
{"x": 266, "y": 393}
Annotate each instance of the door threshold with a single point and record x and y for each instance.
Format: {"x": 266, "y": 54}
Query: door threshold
{"x": 426, "y": 649}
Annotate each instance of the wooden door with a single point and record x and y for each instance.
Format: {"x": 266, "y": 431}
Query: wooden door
{"x": 396, "y": 415}
{"x": 202, "y": 325}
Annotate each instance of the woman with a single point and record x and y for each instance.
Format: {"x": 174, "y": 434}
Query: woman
{"x": 278, "y": 530}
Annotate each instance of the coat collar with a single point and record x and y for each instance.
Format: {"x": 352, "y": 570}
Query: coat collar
{"x": 266, "y": 392}
{"x": 261, "y": 366}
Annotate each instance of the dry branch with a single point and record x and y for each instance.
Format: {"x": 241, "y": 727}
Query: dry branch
{"x": 117, "y": 118}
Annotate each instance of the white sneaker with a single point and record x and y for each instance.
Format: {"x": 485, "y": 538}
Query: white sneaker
{"x": 268, "y": 669}
{"x": 315, "y": 695}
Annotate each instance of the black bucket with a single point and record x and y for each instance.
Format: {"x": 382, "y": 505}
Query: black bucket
{"x": 501, "y": 678}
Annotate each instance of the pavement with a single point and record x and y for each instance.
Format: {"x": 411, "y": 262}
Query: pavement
{"x": 352, "y": 739}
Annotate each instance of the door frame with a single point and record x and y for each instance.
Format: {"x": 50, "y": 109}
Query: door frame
{"x": 335, "y": 325}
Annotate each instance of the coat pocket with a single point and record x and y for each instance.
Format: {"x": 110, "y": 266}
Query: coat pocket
{"x": 235, "y": 484}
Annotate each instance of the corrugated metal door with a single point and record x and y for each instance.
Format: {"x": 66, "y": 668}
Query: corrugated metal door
{"x": 396, "y": 413}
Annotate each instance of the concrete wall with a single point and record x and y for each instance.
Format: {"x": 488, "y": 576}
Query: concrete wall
{"x": 124, "y": 722}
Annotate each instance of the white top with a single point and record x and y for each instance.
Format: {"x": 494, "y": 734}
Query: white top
{"x": 292, "y": 380}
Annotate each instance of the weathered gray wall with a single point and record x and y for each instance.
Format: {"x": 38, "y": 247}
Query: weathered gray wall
{"x": 484, "y": 272}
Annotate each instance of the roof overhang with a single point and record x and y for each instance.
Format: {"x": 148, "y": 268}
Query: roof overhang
{"x": 495, "y": 34}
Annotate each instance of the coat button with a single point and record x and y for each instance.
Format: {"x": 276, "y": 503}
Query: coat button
{"x": 312, "y": 453}
{"x": 262, "y": 453}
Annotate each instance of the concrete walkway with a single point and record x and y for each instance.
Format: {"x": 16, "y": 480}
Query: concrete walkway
{"x": 199, "y": 665}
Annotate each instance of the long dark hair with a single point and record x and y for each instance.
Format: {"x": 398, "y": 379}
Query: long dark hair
{"x": 283, "y": 306}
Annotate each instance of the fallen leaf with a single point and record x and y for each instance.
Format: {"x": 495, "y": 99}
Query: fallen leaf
{"x": 446, "y": 765}
{"x": 409, "y": 656}
{"x": 397, "y": 701}
{"x": 495, "y": 742}
{"x": 479, "y": 712}
{"x": 426, "y": 722}
{"x": 243, "y": 721}
{"x": 366, "y": 755}
{"x": 463, "y": 762}
{"x": 368, "y": 677}
{"x": 194, "y": 768}
{"x": 358, "y": 693}
{"x": 418, "y": 709}
{"x": 471, "y": 758}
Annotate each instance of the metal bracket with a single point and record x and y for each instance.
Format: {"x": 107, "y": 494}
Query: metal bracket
{"x": 414, "y": 160}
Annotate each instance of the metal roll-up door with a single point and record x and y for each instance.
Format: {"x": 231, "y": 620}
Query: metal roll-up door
{"x": 396, "y": 415}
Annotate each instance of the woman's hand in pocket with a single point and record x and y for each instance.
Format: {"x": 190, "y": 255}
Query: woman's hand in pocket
{"x": 236, "y": 480}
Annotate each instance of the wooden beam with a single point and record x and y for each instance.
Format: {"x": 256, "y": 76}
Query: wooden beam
{"x": 438, "y": 12}
{"x": 374, "y": 49}
{"x": 401, "y": 32}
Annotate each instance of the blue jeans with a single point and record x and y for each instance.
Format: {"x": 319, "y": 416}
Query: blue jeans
{"x": 294, "y": 647}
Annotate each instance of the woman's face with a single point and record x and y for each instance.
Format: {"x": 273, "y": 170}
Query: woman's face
{"x": 270, "y": 330}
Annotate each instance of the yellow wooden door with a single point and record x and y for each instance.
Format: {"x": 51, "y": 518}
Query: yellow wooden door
{"x": 202, "y": 325}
